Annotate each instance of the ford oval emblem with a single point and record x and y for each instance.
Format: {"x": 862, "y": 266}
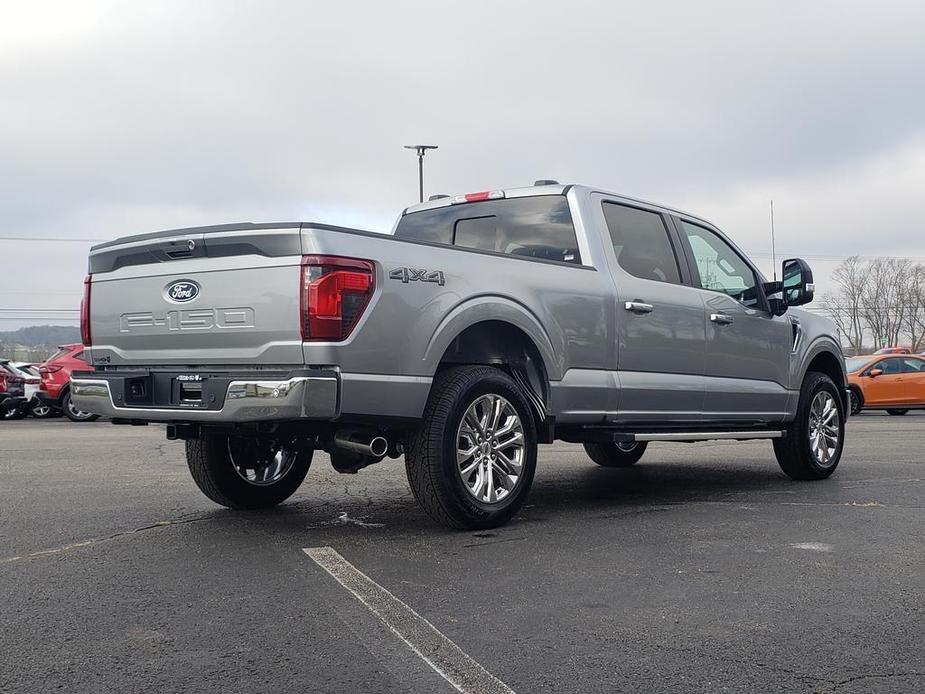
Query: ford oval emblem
{"x": 181, "y": 291}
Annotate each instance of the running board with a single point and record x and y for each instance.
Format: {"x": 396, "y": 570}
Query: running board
{"x": 706, "y": 435}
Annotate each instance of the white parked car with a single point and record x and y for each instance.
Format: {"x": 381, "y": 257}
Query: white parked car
{"x": 32, "y": 381}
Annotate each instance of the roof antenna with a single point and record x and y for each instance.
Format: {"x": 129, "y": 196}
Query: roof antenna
{"x": 773, "y": 257}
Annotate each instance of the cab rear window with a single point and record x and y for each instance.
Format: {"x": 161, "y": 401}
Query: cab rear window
{"x": 534, "y": 227}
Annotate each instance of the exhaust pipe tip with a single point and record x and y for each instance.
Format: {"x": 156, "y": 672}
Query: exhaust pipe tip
{"x": 362, "y": 442}
{"x": 378, "y": 446}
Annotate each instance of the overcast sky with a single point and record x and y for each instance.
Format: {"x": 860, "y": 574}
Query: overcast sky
{"x": 126, "y": 117}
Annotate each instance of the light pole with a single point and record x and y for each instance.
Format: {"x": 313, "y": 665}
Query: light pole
{"x": 421, "y": 149}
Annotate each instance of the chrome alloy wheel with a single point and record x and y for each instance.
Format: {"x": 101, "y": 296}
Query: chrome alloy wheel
{"x": 259, "y": 463}
{"x": 626, "y": 447}
{"x": 824, "y": 423}
{"x": 490, "y": 449}
{"x": 78, "y": 414}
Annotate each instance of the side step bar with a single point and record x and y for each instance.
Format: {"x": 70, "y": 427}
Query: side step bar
{"x": 705, "y": 435}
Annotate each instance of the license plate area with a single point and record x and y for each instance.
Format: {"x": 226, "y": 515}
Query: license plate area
{"x": 187, "y": 391}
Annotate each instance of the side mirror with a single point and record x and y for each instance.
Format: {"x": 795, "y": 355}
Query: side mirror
{"x": 797, "y": 284}
{"x": 875, "y": 372}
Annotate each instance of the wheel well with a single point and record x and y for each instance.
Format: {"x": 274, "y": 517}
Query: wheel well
{"x": 500, "y": 344}
{"x": 827, "y": 363}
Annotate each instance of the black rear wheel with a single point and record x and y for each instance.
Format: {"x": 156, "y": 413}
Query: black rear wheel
{"x": 616, "y": 454}
{"x": 40, "y": 410}
{"x": 471, "y": 462}
{"x": 15, "y": 413}
{"x": 247, "y": 472}
{"x": 897, "y": 413}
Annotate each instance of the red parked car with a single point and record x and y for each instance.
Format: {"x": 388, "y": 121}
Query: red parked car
{"x": 56, "y": 380}
{"x": 893, "y": 350}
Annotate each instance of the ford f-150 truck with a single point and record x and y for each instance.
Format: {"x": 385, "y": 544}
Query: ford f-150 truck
{"x": 483, "y": 325}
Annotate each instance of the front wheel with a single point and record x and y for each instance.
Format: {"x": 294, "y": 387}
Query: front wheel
{"x": 812, "y": 445}
{"x": 897, "y": 413}
{"x": 616, "y": 454}
{"x": 72, "y": 413}
{"x": 246, "y": 472}
{"x": 471, "y": 462}
{"x": 855, "y": 401}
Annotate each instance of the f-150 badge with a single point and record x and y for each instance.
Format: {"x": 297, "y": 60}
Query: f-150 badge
{"x": 410, "y": 274}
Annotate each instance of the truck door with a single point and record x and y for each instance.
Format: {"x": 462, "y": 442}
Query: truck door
{"x": 659, "y": 323}
{"x": 748, "y": 349}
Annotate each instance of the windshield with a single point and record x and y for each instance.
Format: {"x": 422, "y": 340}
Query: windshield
{"x": 855, "y": 363}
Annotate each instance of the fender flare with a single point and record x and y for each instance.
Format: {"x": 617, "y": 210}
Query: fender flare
{"x": 492, "y": 308}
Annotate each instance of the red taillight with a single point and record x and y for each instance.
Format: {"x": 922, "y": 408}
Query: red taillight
{"x": 50, "y": 369}
{"x": 335, "y": 291}
{"x": 85, "y": 313}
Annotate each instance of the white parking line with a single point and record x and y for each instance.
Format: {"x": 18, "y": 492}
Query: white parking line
{"x": 435, "y": 649}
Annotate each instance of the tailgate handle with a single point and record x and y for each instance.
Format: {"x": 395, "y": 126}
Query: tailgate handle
{"x": 178, "y": 248}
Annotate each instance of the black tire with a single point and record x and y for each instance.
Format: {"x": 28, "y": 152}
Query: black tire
{"x": 794, "y": 452}
{"x": 616, "y": 454}
{"x": 74, "y": 414}
{"x": 43, "y": 411}
{"x": 897, "y": 413}
{"x": 430, "y": 451}
{"x": 856, "y": 401}
{"x": 15, "y": 413}
{"x": 209, "y": 458}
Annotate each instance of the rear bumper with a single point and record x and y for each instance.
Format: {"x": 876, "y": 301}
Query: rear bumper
{"x": 48, "y": 399}
{"x": 247, "y": 397}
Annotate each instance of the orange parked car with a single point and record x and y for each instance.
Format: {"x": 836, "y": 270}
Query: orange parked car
{"x": 892, "y": 383}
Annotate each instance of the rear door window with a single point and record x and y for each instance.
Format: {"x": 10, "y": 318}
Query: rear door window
{"x": 534, "y": 227}
{"x": 914, "y": 365}
{"x": 641, "y": 243}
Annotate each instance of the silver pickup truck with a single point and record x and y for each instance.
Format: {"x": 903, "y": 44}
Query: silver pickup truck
{"x": 483, "y": 325}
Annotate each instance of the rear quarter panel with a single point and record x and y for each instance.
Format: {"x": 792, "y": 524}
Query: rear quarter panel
{"x": 565, "y": 309}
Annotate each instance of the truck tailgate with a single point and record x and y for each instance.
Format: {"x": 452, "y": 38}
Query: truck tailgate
{"x": 219, "y": 295}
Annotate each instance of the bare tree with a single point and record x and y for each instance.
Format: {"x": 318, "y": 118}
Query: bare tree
{"x": 882, "y": 296}
{"x": 844, "y": 305}
{"x": 914, "y": 300}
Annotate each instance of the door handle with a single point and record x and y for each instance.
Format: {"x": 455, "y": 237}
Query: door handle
{"x": 721, "y": 318}
{"x": 638, "y": 307}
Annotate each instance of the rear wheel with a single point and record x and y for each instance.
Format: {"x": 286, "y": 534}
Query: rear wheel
{"x": 897, "y": 413}
{"x": 16, "y": 413}
{"x": 616, "y": 454}
{"x": 471, "y": 463}
{"x": 814, "y": 440}
{"x": 246, "y": 472}
{"x": 72, "y": 413}
{"x": 42, "y": 411}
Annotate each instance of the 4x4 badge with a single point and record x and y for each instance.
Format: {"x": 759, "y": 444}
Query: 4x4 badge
{"x": 410, "y": 274}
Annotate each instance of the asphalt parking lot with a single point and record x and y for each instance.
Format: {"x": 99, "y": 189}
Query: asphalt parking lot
{"x": 702, "y": 569}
